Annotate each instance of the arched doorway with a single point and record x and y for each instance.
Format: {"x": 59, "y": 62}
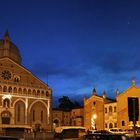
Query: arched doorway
{"x": 38, "y": 113}
{"x": 5, "y": 117}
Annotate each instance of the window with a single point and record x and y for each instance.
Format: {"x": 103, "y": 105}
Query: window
{"x": 110, "y": 125}
{"x": 47, "y": 93}
{"x": 105, "y": 110}
{"x": 10, "y": 89}
{"x": 33, "y": 115}
{"x": 115, "y": 124}
{"x": 4, "y": 89}
{"x": 18, "y": 112}
{"x": 123, "y": 123}
{"x": 15, "y": 90}
{"x": 94, "y": 103}
{"x": 16, "y": 78}
{"x": 41, "y": 115}
{"x": 114, "y": 108}
{"x": 110, "y": 109}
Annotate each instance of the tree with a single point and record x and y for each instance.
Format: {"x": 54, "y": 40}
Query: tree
{"x": 66, "y": 104}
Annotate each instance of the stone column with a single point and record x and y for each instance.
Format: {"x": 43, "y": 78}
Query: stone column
{"x": 26, "y": 107}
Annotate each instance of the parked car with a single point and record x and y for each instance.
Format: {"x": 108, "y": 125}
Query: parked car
{"x": 102, "y": 131}
{"x": 116, "y": 131}
{"x": 97, "y": 136}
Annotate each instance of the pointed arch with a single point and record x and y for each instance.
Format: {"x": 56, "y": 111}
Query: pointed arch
{"x": 25, "y": 91}
{"x": 15, "y": 90}
{"x": 19, "y": 99}
{"x": 5, "y": 89}
{"x": 39, "y": 112}
{"x": 36, "y": 102}
{"x": 19, "y": 91}
{"x": 29, "y": 91}
{"x": 10, "y": 89}
{"x": 34, "y": 92}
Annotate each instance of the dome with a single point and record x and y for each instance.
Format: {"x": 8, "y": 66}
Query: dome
{"x": 9, "y": 49}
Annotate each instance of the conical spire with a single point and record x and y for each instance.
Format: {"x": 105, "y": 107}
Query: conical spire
{"x": 94, "y": 91}
{"x": 117, "y": 92}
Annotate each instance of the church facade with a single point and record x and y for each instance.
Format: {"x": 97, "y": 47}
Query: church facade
{"x": 25, "y": 100}
{"x": 104, "y": 113}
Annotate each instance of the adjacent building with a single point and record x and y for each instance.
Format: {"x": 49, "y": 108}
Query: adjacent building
{"x": 122, "y": 106}
{"x": 73, "y": 117}
{"x": 25, "y": 100}
{"x": 101, "y": 112}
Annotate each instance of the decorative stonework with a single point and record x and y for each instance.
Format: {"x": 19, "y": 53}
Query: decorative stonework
{"x": 6, "y": 75}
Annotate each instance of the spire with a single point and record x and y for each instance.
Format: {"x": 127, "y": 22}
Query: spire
{"x": 6, "y": 36}
{"x": 117, "y": 92}
{"x": 133, "y": 81}
{"x": 104, "y": 94}
{"x": 94, "y": 91}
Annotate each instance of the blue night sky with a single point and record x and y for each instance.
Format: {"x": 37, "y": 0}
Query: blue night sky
{"x": 76, "y": 45}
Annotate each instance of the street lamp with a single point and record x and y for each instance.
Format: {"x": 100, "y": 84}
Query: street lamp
{"x": 94, "y": 116}
{"x": 93, "y": 123}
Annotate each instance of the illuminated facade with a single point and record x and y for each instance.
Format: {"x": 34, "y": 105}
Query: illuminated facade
{"x": 94, "y": 111}
{"x": 110, "y": 113}
{"x": 122, "y": 106}
{"x": 25, "y": 101}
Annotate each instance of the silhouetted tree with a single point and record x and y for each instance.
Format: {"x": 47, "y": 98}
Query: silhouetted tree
{"x": 66, "y": 104}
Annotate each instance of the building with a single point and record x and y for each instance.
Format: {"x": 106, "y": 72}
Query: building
{"x": 101, "y": 112}
{"x": 122, "y": 106}
{"x": 77, "y": 117}
{"x": 94, "y": 111}
{"x": 25, "y": 101}
{"x": 72, "y": 117}
{"x": 110, "y": 115}
{"x": 61, "y": 118}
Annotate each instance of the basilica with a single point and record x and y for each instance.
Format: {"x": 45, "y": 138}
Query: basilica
{"x": 25, "y": 100}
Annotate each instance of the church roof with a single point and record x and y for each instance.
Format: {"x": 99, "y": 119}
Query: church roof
{"x": 9, "y": 49}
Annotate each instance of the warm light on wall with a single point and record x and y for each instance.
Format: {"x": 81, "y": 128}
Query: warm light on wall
{"x": 94, "y": 116}
{"x": 93, "y": 123}
{"x": 6, "y": 96}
